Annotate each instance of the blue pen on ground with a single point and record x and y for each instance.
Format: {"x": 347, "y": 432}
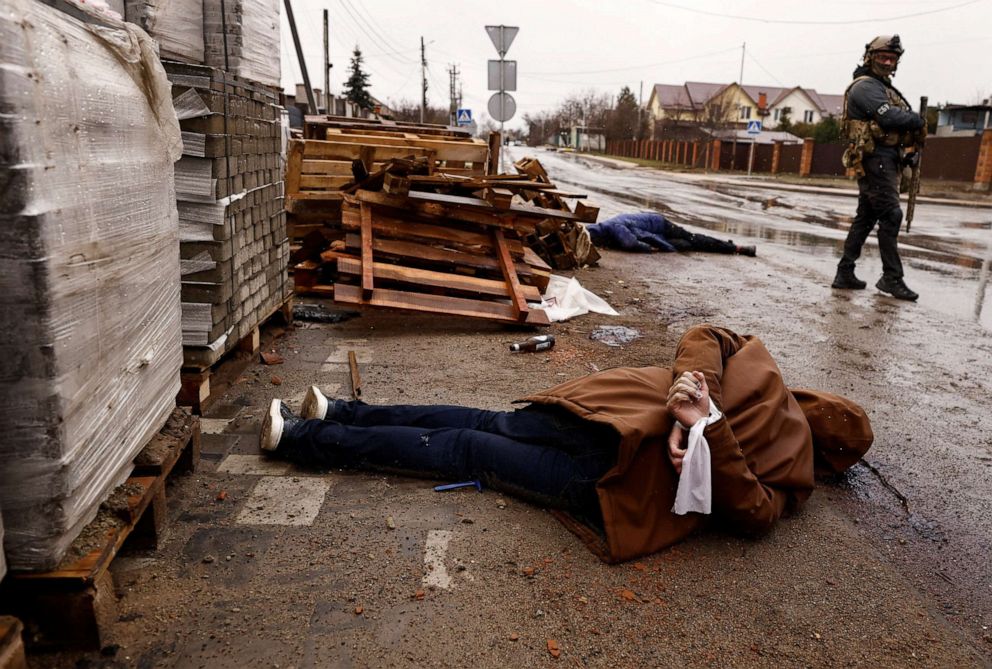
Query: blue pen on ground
{"x": 455, "y": 486}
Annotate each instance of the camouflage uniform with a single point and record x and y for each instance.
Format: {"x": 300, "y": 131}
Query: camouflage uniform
{"x": 879, "y": 123}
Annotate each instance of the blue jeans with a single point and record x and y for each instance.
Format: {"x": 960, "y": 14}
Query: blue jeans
{"x": 544, "y": 455}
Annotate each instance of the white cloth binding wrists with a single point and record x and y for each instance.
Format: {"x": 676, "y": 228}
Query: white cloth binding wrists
{"x": 695, "y": 491}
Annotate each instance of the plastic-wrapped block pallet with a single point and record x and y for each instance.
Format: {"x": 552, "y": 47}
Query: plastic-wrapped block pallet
{"x": 242, "y": 37}
{"x": 90, "y": 338}
{"x": 177, "y": 26}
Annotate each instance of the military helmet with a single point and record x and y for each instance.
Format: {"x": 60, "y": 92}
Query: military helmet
{"x": 884, "y": 43}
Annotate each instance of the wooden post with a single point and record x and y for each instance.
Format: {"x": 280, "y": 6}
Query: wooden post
{"x": 495, "y": 145}
{"x": 806, "y": 161}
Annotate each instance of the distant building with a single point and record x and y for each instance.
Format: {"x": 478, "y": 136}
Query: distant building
{"x": 732, "y": 105}
{"x": 334, "y": 105}
{"x": 964, "y": 120}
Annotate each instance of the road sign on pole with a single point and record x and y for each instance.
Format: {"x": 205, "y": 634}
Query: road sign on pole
{"x": 502, "y": 75}
{"x": 464, "y": 117}
{"x": 502, "y": 106}
{"x": 754, "y": 127}
{"x": 502, "y": 37}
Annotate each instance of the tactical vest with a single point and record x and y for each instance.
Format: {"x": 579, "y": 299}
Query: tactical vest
{"x": 862, "y": 136}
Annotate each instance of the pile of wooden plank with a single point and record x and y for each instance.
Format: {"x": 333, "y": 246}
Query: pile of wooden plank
{"x": 420, "y": 240}
{"x": 562, "y": 244}
{"x": 229, "y": 182}
{"x": 319, "y": 167}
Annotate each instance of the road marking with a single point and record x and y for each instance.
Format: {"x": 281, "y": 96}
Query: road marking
{"x": 434, "y": 552}
{"x": 284, "y": 500}
{"x": 337, "y": 360}
{"x": 253, "y": 464}
{"x": 214, "y": 425}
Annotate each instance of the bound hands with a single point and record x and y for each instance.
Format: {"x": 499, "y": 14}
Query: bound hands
{"x": 688, "y": 401}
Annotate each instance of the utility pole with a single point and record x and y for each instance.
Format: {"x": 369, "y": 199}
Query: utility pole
{"x": 640, "y": 110}
{"x": 455, "y": 97}
{"x": 740, "y": 83}
{"x": 423, "y": 79}
{"x": 327, "y": 65}
{"x": 299, "y": 55}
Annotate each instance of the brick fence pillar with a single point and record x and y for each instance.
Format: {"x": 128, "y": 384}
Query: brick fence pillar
{"x": 983, "y": 169}
{"x": 806, "y": 160}
{"x": 715, "y": 155}
{"x": 654, "y": 149}
{"x": 776, "y": 155}
{"x": 695, "y": 153}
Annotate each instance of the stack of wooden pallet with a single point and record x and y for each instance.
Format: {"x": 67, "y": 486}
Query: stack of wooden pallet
{"x": 420, "y": 240}
{"x": 319, "y": 167}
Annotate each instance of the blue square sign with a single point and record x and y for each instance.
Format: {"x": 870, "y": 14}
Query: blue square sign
{"x": 754, "y": 127}
{"x": 464, "y": 117}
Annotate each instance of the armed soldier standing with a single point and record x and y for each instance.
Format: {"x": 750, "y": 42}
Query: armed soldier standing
{"x": 878, "y": 123}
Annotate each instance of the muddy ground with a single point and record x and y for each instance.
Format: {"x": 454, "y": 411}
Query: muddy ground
{"x": 888, "y": 566}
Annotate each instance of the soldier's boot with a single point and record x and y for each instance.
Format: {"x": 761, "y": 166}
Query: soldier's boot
{"x": 751, "y": 251}
{"x": 847, "y": 280}
{"x": 896, "y": 288}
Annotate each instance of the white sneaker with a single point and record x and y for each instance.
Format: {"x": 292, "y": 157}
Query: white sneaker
{"x": 271, "y": 432}
{"x": 314, "y": 404}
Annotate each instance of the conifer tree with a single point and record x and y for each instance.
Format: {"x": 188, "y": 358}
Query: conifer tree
{"x": 356, "y": 89}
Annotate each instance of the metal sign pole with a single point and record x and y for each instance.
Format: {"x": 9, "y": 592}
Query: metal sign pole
{"x": 750, "y": 156}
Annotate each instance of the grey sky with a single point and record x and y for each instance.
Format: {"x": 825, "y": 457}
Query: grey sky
{"x": 569, "y": 47}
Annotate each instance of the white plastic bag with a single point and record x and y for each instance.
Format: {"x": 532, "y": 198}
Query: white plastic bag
{"x": 565, "y": 298}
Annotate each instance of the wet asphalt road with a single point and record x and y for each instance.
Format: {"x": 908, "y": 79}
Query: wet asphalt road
{"x": 923, "y": 370}
{"x": 942, "y": 254}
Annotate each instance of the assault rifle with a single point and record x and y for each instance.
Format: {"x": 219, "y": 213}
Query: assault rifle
{"x": 914, "y": 183}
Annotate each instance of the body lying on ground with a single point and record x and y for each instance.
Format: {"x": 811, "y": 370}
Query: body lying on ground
{"x": 605, "y": 451}
{"x": 648, "y": 231}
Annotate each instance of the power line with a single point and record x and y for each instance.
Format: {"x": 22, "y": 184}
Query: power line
{"x": 758, "y": 19}
{"x": 372, "y": 26}
{"x": 643, "y": 66}
{"x": 765, "y": 70}
{"x": 360, "y": 22}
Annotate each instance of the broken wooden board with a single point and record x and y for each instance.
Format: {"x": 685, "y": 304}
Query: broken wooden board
{"x": 438, "y": 304}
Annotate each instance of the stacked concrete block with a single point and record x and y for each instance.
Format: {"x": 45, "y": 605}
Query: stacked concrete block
{"x": 242, "y": 37}
{"x": 177, "y": 26}
{"x": 90, "y": 339}
{"x": 234, "y": 247}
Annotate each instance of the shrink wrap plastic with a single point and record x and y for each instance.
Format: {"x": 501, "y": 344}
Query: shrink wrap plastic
{"x": 252, "y": 47}
{"x": 90, "y": 342}
{"x": 177, "y": 26}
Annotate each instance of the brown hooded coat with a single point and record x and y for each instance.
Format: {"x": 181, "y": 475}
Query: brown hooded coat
{"x": 762, "y": 452}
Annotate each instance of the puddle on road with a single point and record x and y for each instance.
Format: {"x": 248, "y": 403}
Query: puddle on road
{"x": 614, "y": 335}
{"x": 950, "y": 251}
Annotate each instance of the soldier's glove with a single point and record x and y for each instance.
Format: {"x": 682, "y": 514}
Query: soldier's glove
{"x": 911, "y": 160}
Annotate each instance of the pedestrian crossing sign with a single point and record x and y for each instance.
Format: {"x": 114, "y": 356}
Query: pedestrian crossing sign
{"x": 464, "y": 117}
{"x": 754, "y": 127}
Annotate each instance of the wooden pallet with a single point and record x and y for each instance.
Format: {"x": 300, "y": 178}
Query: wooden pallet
{"x": 73, "y": 605}
{"x": 396, "y": 258}
{"x": 199, "y": 365}
{"x": 12, "y": 644}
